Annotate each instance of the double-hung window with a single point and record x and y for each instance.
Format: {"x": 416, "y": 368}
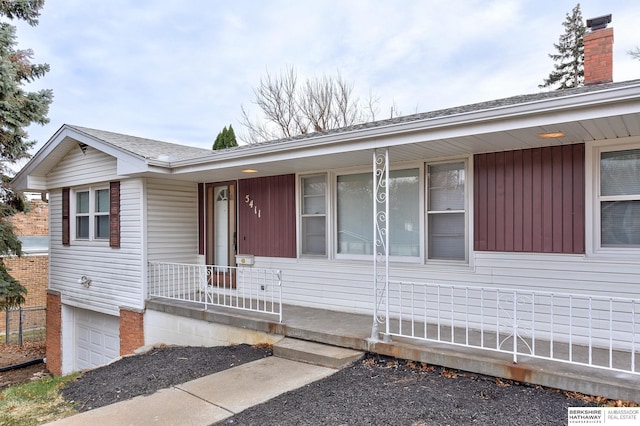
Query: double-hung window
{"x": 92, "y": 214}
{"x": 446, "y": 211}
{"x": 314, "y": 215}
{"x": 619, "y": 199}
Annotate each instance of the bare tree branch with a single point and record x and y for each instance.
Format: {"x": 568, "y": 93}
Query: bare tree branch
{"x": 289, "y": 109}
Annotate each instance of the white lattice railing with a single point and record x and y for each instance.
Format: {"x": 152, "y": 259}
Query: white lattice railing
{"x": 244, "y": 288}
{"x": 600, "y": 332}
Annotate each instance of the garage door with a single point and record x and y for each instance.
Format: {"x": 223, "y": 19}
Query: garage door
{"x": 97, "y": 339}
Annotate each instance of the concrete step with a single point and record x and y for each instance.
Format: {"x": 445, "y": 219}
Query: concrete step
{"x": 315, "y": 353}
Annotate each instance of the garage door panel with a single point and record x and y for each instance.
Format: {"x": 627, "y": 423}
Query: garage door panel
{"x": 97, "y": 339}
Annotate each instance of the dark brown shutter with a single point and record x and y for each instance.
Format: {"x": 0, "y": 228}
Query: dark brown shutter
{"x": 65, "y": 216}
{"x": 114, "y": 214}
{"x": 200, "y": 218}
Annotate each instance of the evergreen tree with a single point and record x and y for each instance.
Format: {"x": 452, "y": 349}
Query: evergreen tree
{"x": 19, "y": 109}
{"x": 225, "y": 139}
{"x": 230, "y": 139}
{"x": 217, "y": 144}
{"x": 569, "y": 61}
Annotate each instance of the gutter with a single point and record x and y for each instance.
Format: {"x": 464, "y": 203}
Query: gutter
{"x": 546, "y": 105}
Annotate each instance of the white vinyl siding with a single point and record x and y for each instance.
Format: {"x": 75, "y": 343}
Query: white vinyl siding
{"x": 172, "y": 221}
{"x": 82, "y": 169}
{"x": 347, "y": 285}
{"x": 96, "y": 260}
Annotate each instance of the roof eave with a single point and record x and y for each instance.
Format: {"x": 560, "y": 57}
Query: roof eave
{"x": 32, "y": 176}
{"x": 464, "y": 120}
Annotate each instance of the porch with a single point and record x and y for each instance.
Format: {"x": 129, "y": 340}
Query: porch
{"x": 354, "y": 331}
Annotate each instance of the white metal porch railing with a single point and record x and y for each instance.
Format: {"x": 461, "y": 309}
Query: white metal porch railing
{"x": 601, "y": 332}
{"x": 244, "y": 288}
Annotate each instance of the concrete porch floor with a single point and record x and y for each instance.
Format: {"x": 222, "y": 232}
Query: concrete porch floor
{"x": 354, "y": 331}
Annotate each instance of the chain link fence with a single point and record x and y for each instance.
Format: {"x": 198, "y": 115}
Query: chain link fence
{"x": 23, "y": 324}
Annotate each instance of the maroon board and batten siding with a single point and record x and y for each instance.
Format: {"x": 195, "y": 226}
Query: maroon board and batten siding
{"x": 267, "y": 216}
{"x": 530, "y": 200}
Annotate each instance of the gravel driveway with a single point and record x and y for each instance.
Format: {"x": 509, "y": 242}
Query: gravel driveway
{"x": 374, "y": 391}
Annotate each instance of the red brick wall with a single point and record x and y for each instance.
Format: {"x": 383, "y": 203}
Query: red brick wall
{"x": 33, "y": 274}
{"x": 31, "y": 271}
{"x": 131, "y": 330}
{"x": 54, "y": 333}
{"x": 35, "y": 222}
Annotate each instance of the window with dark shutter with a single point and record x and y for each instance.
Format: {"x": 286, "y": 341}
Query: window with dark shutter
{"x": 65, "y": 216}
{"x": 114, "y": 214}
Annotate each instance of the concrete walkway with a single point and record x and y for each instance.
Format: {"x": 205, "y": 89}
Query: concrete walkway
{"x": 209, "y": 399}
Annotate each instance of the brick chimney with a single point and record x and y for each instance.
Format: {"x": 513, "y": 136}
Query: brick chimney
{"x": 598, "y": 51}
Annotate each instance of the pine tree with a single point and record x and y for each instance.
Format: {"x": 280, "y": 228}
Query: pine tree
{"x": 20, "y": 108}
{"x": 569, "y": 61}
{"x": 225, "y": 139}
{"x": 218, "y": 143}
{"x": 230, "y": 139}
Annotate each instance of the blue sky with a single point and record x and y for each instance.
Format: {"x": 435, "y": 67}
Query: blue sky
{"x": 179, "y": 70}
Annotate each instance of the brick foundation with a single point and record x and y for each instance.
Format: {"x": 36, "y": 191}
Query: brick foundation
{"x": 54, "y": 333}
{"x": 131, "y": 330}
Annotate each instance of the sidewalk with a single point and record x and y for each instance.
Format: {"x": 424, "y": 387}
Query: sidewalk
{"x": 209, "y": 399}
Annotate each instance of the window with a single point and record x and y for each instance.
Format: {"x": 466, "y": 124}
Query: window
{"x": 446, "y": 211}
{"x": 355, "y": 213}
{"x": 92, "y": 214}
{"x": 620, "y": 199}
{"x": 314, "y": 215}
{"x": 102, "y": 214}
{"x": 82, "y": 215}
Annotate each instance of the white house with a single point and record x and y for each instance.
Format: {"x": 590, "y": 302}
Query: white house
{"x": 532, "y": 198}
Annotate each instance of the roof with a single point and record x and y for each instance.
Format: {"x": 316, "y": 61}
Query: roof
{"x": 143, "y": 147}
{"x": 457, "y": 110}
{"x": 595, "y": 112}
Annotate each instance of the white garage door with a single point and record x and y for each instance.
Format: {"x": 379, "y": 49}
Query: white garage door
{"x": 97, "y": 338}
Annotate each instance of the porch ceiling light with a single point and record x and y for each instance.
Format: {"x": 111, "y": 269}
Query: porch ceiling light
{"x": 249, "y": 171}
{"x": 551, "y": 135}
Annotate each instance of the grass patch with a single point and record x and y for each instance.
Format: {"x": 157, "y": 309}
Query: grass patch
{"x": 35, "y": 403}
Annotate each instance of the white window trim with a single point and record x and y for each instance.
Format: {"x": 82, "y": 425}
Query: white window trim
{"x": 592, "y": 198}
{"x": 331, "y": 214}
{"x": 468, "y": 211}
{"x": 327, "y": 214}
{"x": 73, "y": 199}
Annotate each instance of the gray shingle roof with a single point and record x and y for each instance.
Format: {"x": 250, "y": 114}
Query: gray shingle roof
{"x": 152, "y": 149}
{"x": 146, "y": 148}
{"x": 487, "y": 105}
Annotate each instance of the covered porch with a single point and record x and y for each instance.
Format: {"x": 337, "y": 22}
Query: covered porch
{"x": 354, "y": 331}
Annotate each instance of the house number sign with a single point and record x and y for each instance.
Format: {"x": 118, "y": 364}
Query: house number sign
{"x": 249, "y": 201}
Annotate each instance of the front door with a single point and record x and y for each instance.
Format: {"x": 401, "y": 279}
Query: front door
{"x": 220, "y": 248}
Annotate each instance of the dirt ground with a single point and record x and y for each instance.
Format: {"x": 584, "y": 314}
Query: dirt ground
{"x": 374, "y": 391}
{"x": 13, "y": 354}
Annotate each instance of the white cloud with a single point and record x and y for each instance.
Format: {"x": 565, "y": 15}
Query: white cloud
{"x": 179, "y": 71}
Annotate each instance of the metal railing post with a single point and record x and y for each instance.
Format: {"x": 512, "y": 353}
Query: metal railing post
{"x": 515, "y": 327}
